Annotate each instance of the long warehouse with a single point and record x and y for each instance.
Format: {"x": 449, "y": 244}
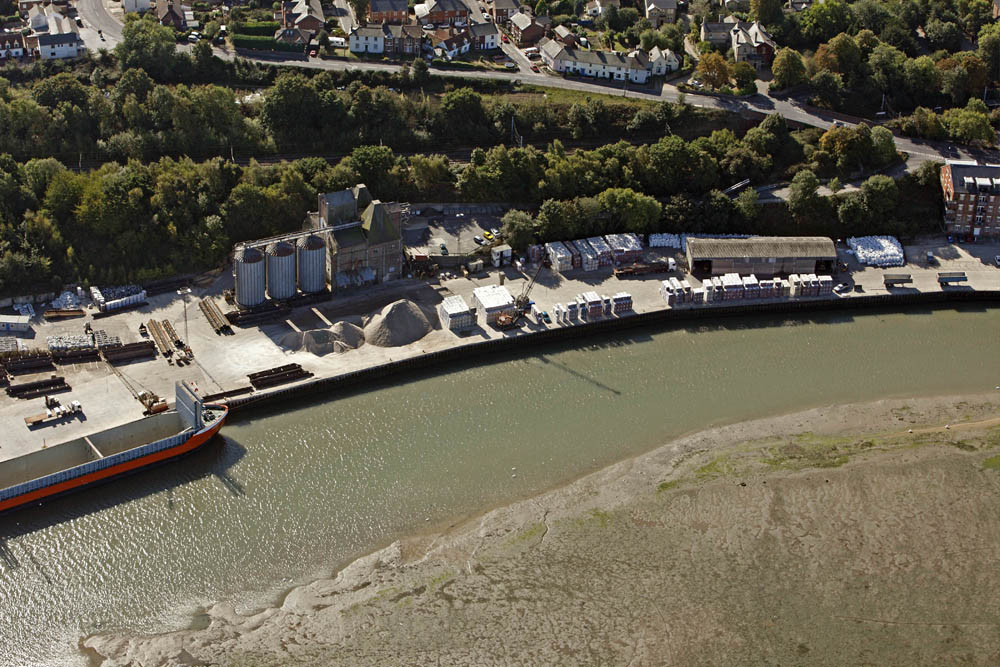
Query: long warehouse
{"x": 764, "y": 256}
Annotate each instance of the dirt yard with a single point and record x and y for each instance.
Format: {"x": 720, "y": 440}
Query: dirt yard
{"x": 831, "y": 537}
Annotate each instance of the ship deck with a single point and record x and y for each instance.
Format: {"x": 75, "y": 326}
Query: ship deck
{"x": 89, "y": 448}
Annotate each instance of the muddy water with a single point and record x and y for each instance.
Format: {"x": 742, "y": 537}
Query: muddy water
{"x": 287, "y": 496}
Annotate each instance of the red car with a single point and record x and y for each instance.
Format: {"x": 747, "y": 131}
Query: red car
{"x": 504, "y": 38}
{"x": 534, "y": 68}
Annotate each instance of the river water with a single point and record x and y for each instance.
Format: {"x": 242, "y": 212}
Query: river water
{"x": 288, "y": 496}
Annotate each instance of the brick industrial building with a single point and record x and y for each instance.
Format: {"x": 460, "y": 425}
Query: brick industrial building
{"x": 971, "y": 198}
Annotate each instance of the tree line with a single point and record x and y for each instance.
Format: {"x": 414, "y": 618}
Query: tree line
{"x": 134, "y": 221}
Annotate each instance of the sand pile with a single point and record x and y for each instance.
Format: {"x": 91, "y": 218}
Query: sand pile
{"x": 351, "y": 335}
{"x": 399, "y": 323}
{"x": 291, "y": 341}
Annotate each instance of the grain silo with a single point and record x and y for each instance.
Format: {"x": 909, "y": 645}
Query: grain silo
{"x": 312, "y": 264}
{"x": 280, "y": 270}
{"x": 248, "y": 267}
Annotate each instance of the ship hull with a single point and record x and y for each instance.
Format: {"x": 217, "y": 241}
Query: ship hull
{"x": 194, "y": 442}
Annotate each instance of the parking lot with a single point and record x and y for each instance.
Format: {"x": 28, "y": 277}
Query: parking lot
{"x": 454, "y": 226}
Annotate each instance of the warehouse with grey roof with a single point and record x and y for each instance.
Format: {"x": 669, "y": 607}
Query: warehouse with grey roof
{"x": 763, "y": 256}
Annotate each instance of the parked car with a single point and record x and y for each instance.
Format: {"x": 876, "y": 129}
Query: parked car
{"x": 495, "y": 232}
{"x": 534, "y": 68}
{"x": 488, "y": 236}
{"x": 79, "y": 23}
{"x": 504, "y": 39}
{"x": 479, "y": 240}
{"x": 545, "y": 317}
{"x": 194, "y": 37}
{"x": 996, "y": 260}
{"x": 312, "y": 53}
{"x": 486, "y": 16}
{"x": 511, "y": 65}
{"x": 444, "y": 249}
{"x": 429, "y": 26}
{"x": 534, "y": 56}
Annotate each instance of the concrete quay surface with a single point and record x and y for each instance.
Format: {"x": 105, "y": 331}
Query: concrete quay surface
{"x": 223, "y": 362}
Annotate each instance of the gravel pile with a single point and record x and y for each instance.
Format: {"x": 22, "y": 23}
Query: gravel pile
{"x": 399, "y": 323}
{"x": 342, "y": 337}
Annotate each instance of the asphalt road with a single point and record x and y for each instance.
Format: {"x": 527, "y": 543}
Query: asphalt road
{"x": 94, "y": 13}
{"x": 97, "y": 17}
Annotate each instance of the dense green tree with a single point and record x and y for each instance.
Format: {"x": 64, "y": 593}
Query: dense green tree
{"x": 788, "y": 69}
{"x": 767, "y": 12}
{"x": 943, "y": 35}
{"x": 147, "y": 45}
{"x": 803, "y": 194}
{"x": 518, "y": 229}
{"x": 822, "y": 20}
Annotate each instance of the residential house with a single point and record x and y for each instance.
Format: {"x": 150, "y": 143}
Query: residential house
{"x": 662, "y": 61}
{"x": 455, "y": 45}
{"x": 54, "y": 35}
{"x": 134, "y": 6}
{"x": 657, "y": 62}
{"x": 63, "y": 44}
{"x": 304, "y": 14}
{"x": 971, "y": 198}
{"x": 12, "y": 45}
{"x": 659, "y": 12}
{"x": 752, "y": 44}
{"x": 441, "y": 11}
{"x": 367, "y": 39}
{"x": 403, "y": 40}
{"x": 388, "y": 11}
{"x": 565, "y": 35}
{"x": 502, "y": 10}
{"x": 598, "y": 7}
{"x": 524, "y": 30}
{"x": 484, "y": 36}
{"x": 38, "y": 19}
{"x": 170, "y": 13}
{"x": 599, "y": 64}
{"x": 717, "y": 32}
{"x": 294, "y": 36}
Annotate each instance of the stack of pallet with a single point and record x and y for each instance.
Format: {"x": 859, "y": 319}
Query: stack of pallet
{"x": 560, "y": 256}
{"x": 621, "y": 303}
{"x": 588, "y": 257}
{"x": 605, "y": 257}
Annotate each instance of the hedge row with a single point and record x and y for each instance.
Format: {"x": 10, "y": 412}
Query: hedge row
{"x": 264, "y": 44}
{"x": 265, "y": 28}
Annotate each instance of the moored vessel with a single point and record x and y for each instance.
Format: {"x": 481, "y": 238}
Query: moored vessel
{"x": 115, "y": 451}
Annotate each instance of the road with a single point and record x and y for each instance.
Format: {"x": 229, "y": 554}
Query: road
{"x": 95, "y": 14}
{"x": 97, "y": 17}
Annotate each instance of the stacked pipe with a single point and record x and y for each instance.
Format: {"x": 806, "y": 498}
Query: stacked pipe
{"x": 52, "y": 385}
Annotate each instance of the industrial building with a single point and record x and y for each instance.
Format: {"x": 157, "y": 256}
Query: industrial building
{"x": 492, "y": 300}
{"x": 366, "y": 244}
{"x": 14, "y": 323}
{"x": 455, "y": 314}
{"x": 762, "y": 256}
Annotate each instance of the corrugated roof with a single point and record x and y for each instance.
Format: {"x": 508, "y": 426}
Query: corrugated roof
{"x": 818, "y": 247}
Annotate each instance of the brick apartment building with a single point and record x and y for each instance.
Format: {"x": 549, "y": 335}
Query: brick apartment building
{"x": 971, "y": 198}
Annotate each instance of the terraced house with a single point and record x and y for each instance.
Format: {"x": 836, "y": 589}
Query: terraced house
{"x": 388, "y": 11}
{"x": 442, "y": 11}
{"x": 598, "y": 64}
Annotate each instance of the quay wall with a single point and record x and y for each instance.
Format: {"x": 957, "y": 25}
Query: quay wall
{"x": 664, "y": 317}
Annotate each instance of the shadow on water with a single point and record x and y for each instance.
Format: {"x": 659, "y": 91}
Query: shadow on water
{"x": 213, "y": 460}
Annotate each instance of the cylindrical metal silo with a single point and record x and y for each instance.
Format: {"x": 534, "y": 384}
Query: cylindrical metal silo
{"x": 312, "y": 264}
{"x": 248, "y": 266}
{"x": 280, "y": 270}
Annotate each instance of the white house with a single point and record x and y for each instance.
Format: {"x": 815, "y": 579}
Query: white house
{"x": 11, "y": 45}
{"x": 455, "y": 45}
{"x": 367, "y": 39}
{"x": 134, "y": 6}
{"x": 56, "y": 36}
{"x": 598, "y": 7}
{"x": 599, "y": 64}
{"x": 662, "y": 61}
